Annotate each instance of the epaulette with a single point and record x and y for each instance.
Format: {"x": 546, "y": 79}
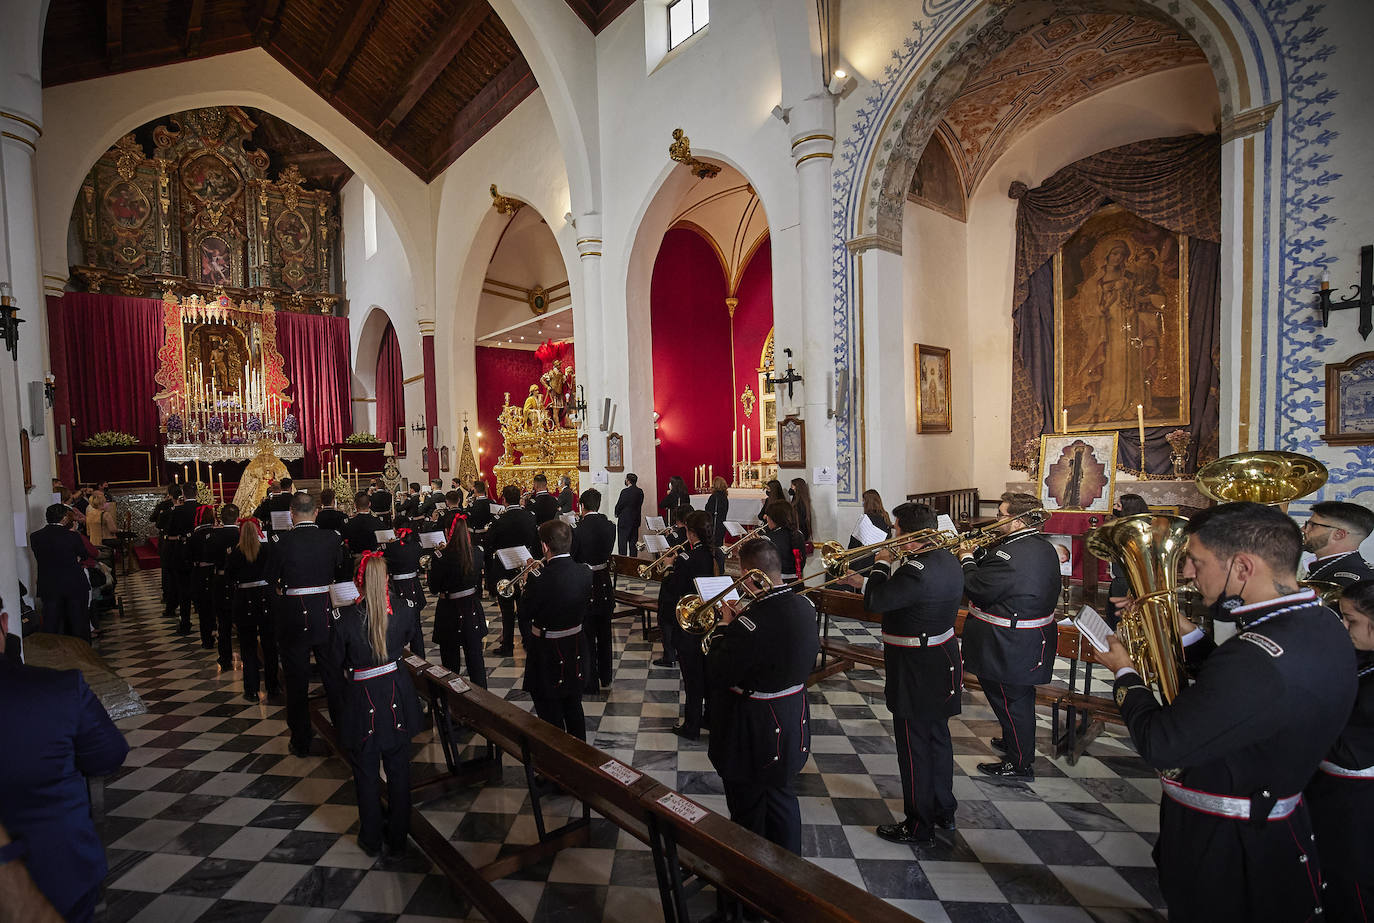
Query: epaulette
{"x": 912, "y": 562}
{"x": 1263, "y": 642}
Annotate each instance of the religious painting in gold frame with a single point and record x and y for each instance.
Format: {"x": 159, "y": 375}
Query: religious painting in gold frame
{"x": 934, "y": 413}
{"x": 1121, "y": 325}
{"x": 1077, "y": 472}
{"x": 792, "y": 442}
{"x": 615, "y": 452}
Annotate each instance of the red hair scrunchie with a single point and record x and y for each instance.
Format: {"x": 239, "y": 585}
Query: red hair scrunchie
{"x": 362, "y": 565}
{"x": 453, "y": 522}
{"x": 402, "y": 532}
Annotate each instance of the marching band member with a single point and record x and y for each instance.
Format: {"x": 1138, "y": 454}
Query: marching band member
{"x": 409, "y": 508}
{"x": 541, "y": 503}
{"x": 593, "y": 543}
{"x": 514, "y": 527}
{"x": 1264, "y": 707}
{"x": 1010, "y": 638}
{"x": 918, "y": 601}
{"x": 381, "y": 711}
{"x": 1334, "y": 533}
{"x": 699, "y": 561}
{"x": 455, "y": 578}
{"x": 251, "y": 605}
{"x": 671, "y": 589}
{"x": 756, "y": 673}
{"x": 218, "y": 544}
{"x": 278, "y": 501}
{"x": 780, "y": 522}
{"x": 554, "y": 606}
{"x": 1341, "y": 793}
{"x": 180, "y": 522}
{"x": 202, "y": 572}
{"x": 403, "y": 565}
{"x": 363, "y": 526}
{"x": 330, "y": 517}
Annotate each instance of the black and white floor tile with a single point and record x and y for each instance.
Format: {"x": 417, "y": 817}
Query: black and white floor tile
{"x": 212, "y": 819}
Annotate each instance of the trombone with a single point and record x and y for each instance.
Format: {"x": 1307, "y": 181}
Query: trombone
{"x": 837, "y": 558}
{"x": 506, "y": 588}
{"x": 701, "y": 618}
{"x": 659, "y": 565}
{"x": 734, "y": 548}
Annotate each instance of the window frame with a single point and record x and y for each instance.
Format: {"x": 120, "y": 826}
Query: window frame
{"x": 692, "y": 21}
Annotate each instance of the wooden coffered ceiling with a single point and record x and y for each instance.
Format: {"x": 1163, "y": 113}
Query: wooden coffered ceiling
{"x": 425, "y": 78}
{"x": 598, "y": 14}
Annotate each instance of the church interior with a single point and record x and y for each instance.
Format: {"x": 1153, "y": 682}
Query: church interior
{"x": 777, "y": 279}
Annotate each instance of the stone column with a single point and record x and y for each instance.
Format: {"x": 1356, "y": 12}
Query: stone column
{"x": 431, "y": 396}
{"x": 594, "y": 369}
{"x": 883, "y": 425}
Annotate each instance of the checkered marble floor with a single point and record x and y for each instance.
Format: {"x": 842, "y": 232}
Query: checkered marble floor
{"x": 211, "y": 819}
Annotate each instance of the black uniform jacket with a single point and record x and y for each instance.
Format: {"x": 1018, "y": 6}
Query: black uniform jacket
{"x": 277, "y": 503}
{"x": 238, "y": 569}
{"x": 672, "y": 500}
{"x": 514, "y": 527}
{"x": 555, "y": 599}
{"x": 920, "y": 599}
{"x": 164, "y": 506}
{"x": 480, "y": 515}
{"x": 1018, "y": 578}
{"x": 544, "y": 506}
{"x": 218, "y": 544}
{"x": 791, "y": 549}
{"x": 628, "y": 506}
{"x": 446, "y": 576}
{"x": 718, "y": 508}
{"x": 380, "y": 503}
{"x": 200, "y": 567}
{"x": 698, "y": 561}
{"x": 381, "y": 712}
{"x": 1344, "y": 569}
{"x": 330, "y": 518}
{"x": 769, "y": 647}
{"x": 410, "y": 506}
{"x": 593, "y": 539}
{"x": 181, "y": 521}
{"x": 403, "y": 557}
{"x": 360, "y": 532}
{"x": 306, "y": 556}
{"x": 59, "y": 552}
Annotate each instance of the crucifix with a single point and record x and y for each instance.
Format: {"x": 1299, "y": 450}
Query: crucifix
{"x": 790, "y": 379}
{"x": 1362, "y": 299}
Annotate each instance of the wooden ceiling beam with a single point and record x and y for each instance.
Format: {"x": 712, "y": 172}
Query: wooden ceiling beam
{"x": 442, "y": 49}
{"x": 194, "y": 24}
{"x": 495, "y": 100}
{"x": 344, "y": 42}
{"x": 114, "y": 32}
{"x": 268, "y": 14}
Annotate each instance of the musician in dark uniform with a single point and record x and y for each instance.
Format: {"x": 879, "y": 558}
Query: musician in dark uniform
{"x": 218, "y": 544}
{"x": 251, "y": 605}
{"x": 158, "y": 517}
{"x": 566, "y": 498}
{"x": 403, "y": 564}
{"x": 554, "y": 605}
{"x": 629, "y": 508}
{"x": 513, "y": 528}
{"x": 361, "y": 530}
{"x": 593, "y": 544}
{"x": 756, "y": 670}
{"x": 302, "y": 563}
{"x": 780, "y": 521}
{"x": 479, "y": 511}
{"x": 1341, "y": 793}
{"x": 379, "y": 500}
{"x": 924, "y": 675}
{"x": 671, "y": 589}
{"x": 1334, "y": 533}
{"x": 381, "y": 712}
{"x": 279, "y": 502}
{"x": 329, "y": 517}
{"x": 202, "y": 574}
{"x": 700, "y": 560}
{"x": 1263, "y": 710}
{"x": 1010, "y": 637}
{"x": 181, "y": 521}
{"x": 455, "y": 579}
{"x": 541, "y": 503}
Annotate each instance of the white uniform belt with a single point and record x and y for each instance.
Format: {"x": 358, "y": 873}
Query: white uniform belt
{"x": 252, "y": 583}
{"x": 410, "y": 576}
{"x": 598, "y": 566}
{"x": 790, "y": 690}
{"x": 918, "y": 640}
{"x": 306, "y": 590}
{"x": 1225, "y": 805}
{"x": 461, "y": 594}
{"x": 1009, "y": 623}
{"x": 384, "y": 669}
{"x": 556, "y": 634}
{"x": 1332, "y": 769}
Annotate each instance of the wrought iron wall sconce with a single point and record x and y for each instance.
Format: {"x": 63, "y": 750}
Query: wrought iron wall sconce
{"x": 790, "y": 379}
{"x": 9, "y": 320}
{"x": 1363, "y": 299}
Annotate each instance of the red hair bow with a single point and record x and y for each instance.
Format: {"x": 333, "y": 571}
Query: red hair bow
{"x": 453, "y": 522}
{"x": 401, "y": 533}
{"x": 362, "y": 566}
{"x": 202, "y": 511}
{"x": 252, "y": 519}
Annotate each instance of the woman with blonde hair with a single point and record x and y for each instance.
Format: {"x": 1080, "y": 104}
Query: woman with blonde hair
{"x": 381, "y": 711}
{"x": 245, "y": 573}
{"x": 100, "y": 520}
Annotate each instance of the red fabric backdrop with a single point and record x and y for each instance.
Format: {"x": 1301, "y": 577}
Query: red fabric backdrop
{"x": 315, "y": 349}
{"x": 391, "y": 399}
{"x": 690, "y": 327}
{"x": 753, "y": 321}
{"x": 499, "y": 371}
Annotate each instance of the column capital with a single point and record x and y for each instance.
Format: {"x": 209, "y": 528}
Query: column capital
{"x": 426, "y": 328}
{"x": 15, "y": 126}
{"x": 589, "y": 242}
{"x": 812, "y": 134}
{"x": 1250, "y": 122}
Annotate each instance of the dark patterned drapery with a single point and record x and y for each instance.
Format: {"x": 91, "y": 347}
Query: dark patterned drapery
{"x": 1172, "y": 182}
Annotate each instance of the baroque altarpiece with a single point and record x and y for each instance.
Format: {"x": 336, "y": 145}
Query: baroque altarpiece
{"x": 201, "y": 213}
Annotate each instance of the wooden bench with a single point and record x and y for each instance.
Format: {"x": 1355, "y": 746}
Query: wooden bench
{"x": 643, "y": 603}
{"x": 1083, "y": 713}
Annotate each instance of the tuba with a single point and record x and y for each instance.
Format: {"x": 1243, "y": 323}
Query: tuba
{"x": 1261, "y": 477}
{"x": 1147, "y": 547}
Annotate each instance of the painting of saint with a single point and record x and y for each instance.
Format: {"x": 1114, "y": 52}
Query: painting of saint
{"x": 1121, "y": 321}
{"x": 293, "y": 234}
{"x": 1078, "y": 472}
{"x": 933, "y": 413}
{"x": 126, "y": 205}
{"x": 210, "y": 179}
{"x": 214, "y": 261}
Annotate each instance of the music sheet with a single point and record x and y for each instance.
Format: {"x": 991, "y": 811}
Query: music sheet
{"x": 281, "y": 520}
{"x": 513, "y": 558}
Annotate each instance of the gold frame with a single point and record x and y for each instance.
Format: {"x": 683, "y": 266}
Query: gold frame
{"x": 619, "y": 442}
{"x": 1334, "y": 435}
{"x": 792, "y": 420}
{"x": 1063, "y": 439}
{"x": 1185, "y": 395}
{"x": 942, "y": 354}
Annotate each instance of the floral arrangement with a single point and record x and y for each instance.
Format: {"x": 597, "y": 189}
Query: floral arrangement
{"x": 289, "y": 424}
{"x": 361, "y": 439}
{"x": 215, "y": 424}
{"x": 174, "y": 424}
{"x": 109, "y": 439}
{"x": 254, "y": 424}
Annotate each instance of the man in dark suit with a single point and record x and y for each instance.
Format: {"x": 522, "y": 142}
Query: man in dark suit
{"x": 566, "y": 498}
{"x": 363, "y": 526}
{"x": 58, "y": 734}
{"x": 554, "y": 606}
{"x": 279, "y": 502}
{"x": 157, "y": 517}
{"x": 515, "y": 527}
{"x": 329, "y": 517}
{"x": 379, "y": 500}
{"x": 593, "y": 542}
{"x": 410, "y": 506}
{"x": 63, "y": 588}
{"x": 629, "y": 512}
{"x": 541, "y": 503}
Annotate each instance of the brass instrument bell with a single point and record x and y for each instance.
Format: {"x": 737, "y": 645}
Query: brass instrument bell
{"x": 1261, "y": 477}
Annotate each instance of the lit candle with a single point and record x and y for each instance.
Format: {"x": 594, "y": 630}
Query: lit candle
{"x": 711, "y": 474}
{"x": 734, "y": 449}
{"x": 1065, "y": 418}
{"x": 1140, "y": 427}
{"x": 221, "y": 487}
{"x": 186, "y": 473}
{"x": 1326, "y": 281}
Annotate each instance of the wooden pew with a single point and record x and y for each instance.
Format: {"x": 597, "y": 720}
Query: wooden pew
{"x": 683, "y": 836}
{"x": 643, "y": 603}
{"x": 960, "y": 504}
{"x": 1083, "y": 713}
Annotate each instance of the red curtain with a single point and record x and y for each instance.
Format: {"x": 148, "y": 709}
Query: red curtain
{"x": 316, "y": 353}
{"x": 104, "y": 356}
{"x": 391, "y": 399}
{"x": 499, "y": 372}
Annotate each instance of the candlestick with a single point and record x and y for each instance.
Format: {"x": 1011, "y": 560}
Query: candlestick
{"x": 711, "y": 475}
{"x": 1065, "y": 417}
{"x": 1140, "y": 429}
{"x": 734, "y": 450}
{"x": 186, "y": 474}
{"x": 221, "y": 487}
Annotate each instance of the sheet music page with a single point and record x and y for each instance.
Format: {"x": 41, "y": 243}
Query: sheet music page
{"x": 656, "y": 544}
{"x": 655, "y": 523}
{"x": 867, "y": 532}
{"x": 944, "y": 523}
{"x": 1091, "y": 626}
{"x": 385, "y": 535}
{"x": 497, "y": 509}
{"x": 281, "y": 520}
{"x": 343, "y": 593}
{"x": 734, "y": 528}
{"x": 708, "y": 587}
{"x": 513, "y": 558}
{"x": 431, "y": 539}
{"x": 569, "y": 518}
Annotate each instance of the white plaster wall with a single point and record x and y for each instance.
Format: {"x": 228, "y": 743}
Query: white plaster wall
{"x": 1172, "y": 103}
{"x": 935, "y": 289}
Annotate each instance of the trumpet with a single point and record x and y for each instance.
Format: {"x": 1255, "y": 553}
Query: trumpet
{"x": 987, "y": 535}
{"x": 659, "y": 565}
{"x": 837, "y": 558}
{"x": 701, "y": 618}
{"x": 733, "y": 550}
{"x": 506, "y": 588}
